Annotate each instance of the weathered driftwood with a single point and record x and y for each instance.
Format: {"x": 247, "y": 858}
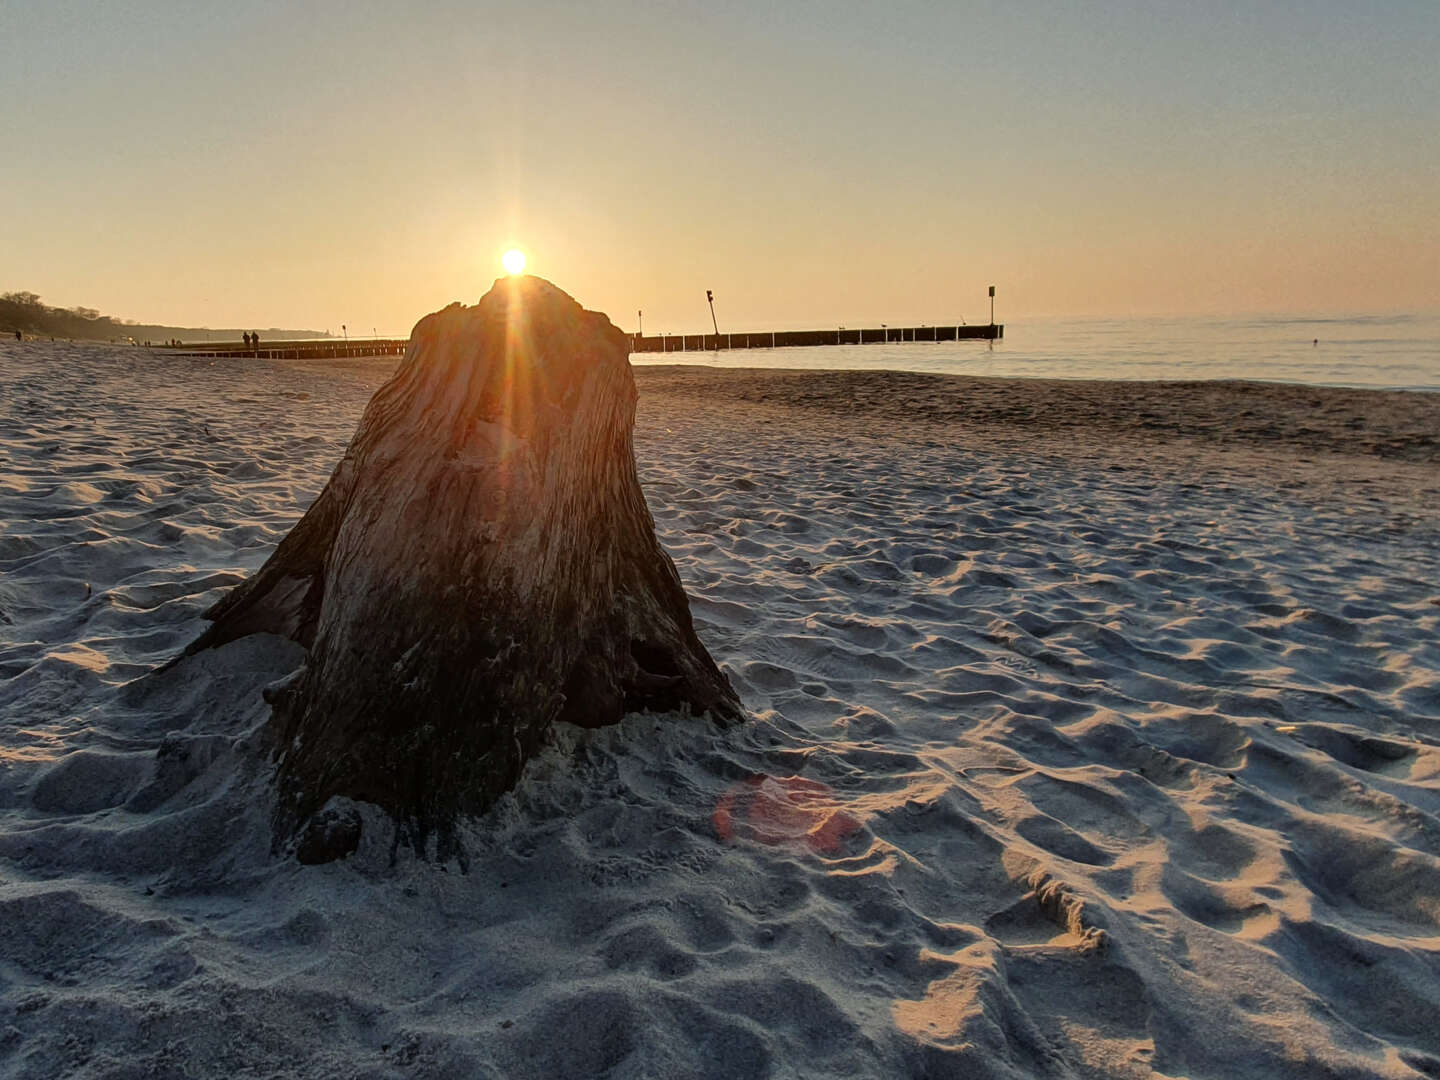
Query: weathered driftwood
{"x": 481, "y": 564}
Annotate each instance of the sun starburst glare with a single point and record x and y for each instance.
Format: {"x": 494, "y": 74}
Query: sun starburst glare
{"x": 513, "y": 261}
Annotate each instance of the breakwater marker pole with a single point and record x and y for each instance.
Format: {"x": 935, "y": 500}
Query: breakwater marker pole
{"x": 640, "y": 316}
{"x": 992, "y": 305}
{"x": 711, "y": 298}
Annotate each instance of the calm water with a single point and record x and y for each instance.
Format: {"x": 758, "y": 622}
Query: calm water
{"x": 1390, "y": 351}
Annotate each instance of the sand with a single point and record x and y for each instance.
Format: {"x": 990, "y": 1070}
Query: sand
{"x": 1114, "y": 708}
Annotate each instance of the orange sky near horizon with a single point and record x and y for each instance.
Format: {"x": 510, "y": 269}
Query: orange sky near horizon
{"x": 826, "y": 163}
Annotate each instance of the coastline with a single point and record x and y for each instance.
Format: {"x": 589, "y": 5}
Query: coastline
{"x": 1398, "y": 426}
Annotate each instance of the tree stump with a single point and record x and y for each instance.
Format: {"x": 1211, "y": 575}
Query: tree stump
{"x": 481, "y": 564}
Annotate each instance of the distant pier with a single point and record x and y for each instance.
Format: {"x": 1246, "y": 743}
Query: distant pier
{"x": 789, "y": 339}
{"x": 312, "y": 349}
{"x": 329, "y": 349}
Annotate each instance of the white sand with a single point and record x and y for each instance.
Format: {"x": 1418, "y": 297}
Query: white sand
{"x": 1142, "y": 738}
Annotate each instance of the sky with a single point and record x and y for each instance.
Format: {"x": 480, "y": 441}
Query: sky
{"x": 308, "y": 164}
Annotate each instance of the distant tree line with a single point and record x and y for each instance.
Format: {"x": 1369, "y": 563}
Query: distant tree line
{"x": 24, "y": 311}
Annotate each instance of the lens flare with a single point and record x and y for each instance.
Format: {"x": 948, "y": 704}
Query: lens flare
{"x": 513, "y": 261}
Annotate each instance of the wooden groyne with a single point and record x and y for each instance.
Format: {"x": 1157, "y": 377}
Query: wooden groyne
{"x": 329, "y": 349}
{"x": 789, "y": 339}
{"x": 321, "y": 349}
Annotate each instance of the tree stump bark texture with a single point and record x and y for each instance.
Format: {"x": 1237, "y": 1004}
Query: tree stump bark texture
{"x": 481, "y": 564}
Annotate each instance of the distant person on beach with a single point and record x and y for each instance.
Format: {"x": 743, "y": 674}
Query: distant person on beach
{"x": 19, "y": 336}
{"x": 246, "y": 336}
{"x": 254, "y": 339}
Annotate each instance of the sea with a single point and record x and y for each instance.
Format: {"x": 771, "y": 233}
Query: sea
{"x": 1392, "y": 352}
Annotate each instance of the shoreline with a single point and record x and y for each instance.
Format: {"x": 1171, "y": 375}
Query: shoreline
{"x": 1377, "y": 449}
{"x": 1396, "y": 425}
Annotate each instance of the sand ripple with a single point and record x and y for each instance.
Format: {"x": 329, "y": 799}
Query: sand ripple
{"x": 1117, "y": 762}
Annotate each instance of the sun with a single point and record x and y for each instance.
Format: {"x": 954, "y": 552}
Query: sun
{"x": 513, "y": 261}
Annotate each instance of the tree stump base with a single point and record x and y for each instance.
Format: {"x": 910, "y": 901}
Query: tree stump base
{"x": 481, "y": 564}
